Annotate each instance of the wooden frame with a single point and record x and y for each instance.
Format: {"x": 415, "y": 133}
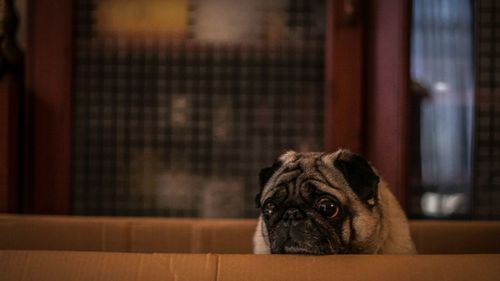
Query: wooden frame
{"x": 344, "y": 75}
{"x": 9, "y": 169}
{"x": 10, "y": 111}
{"x": 48, "y": 92}
{"x": 367, "y": 84}
{"x": 387, "y": 100}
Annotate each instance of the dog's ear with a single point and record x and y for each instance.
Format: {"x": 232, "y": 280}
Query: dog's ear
{"x": 264, "y": 176}
{"x": 358, "y": 173}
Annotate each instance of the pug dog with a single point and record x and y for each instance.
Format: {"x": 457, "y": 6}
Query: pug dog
{"x": 321, "y": 204}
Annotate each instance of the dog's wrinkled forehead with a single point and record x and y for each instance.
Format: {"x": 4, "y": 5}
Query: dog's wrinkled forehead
{"x": 292, "y": 159}
{"x": 309, "y": 165}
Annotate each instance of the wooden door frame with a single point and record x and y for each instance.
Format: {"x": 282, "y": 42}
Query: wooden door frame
{"x": 11, "y": 91}
{"x": 9, "y": 140}
{"x": 387, "y": 95}
{"x": 48, "y": 87}
{"x": 367, "y": 85}
{"x": 344, "y": 74}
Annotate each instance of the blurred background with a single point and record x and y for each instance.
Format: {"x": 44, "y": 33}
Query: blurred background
{"x": 171, "y": 107}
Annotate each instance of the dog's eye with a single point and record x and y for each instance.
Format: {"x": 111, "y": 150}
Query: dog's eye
{"x": 327, "y": 207}
{"x": 268, "y": 209}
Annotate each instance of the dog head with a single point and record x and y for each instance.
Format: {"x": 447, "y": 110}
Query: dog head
{"x": 318, "y": 203}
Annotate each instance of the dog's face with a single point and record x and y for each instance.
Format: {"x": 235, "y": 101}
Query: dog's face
{"x": 315, "y": 203}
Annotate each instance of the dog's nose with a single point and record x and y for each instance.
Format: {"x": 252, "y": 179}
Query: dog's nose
{"x": 293, "y": 214}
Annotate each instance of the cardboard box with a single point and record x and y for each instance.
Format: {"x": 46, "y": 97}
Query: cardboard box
{"x": 142, "y": 235}
{"x": 222, "y": 236}
{"x": 95, "y": 248}
{"x": 56, "y": 265}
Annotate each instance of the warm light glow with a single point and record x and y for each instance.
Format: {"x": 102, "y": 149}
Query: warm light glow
{"x": 139, "y": 18}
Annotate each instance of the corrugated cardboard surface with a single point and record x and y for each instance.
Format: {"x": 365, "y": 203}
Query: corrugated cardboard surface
{"x": 53, "y": 265}
{"x": 456, "y": 237}
{"x": 149, "y": 235}
{"x": 56, "y": 265}
{"x": 126, "y": 234}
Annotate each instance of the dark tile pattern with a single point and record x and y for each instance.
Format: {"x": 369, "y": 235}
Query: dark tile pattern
{"x": 487, "y": 115}
{"x": 171, "y": 128}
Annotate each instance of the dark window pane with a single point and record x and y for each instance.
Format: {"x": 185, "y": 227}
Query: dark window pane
{"x": 442, "y": 112}
{"x": 455, "y": 138}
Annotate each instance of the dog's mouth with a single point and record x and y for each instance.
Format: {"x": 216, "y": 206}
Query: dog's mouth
{"x": 302, "y": 239}
{"x": 308, "y": 245}
{"x": 293, "y": 250}
{"x": 293, "y": 247}
{"x": 298, "y": 251}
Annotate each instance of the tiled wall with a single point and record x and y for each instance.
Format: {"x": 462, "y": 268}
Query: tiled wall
{"x": 487, "y": 123}
{"x": 182, "y": 127}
